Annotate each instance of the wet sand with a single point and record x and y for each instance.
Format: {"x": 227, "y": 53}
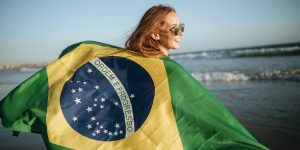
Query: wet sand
{"x": 25, "y": 141}
{"x": 270, "y": 110}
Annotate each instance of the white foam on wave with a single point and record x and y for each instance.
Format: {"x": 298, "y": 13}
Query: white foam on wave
{"x": 221, "y": 76}
{"x": 184, "y": 56}
{"x": 293, "y": 75}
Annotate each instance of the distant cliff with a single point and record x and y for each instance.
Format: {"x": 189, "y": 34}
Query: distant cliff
{"x": 19, "y": 66}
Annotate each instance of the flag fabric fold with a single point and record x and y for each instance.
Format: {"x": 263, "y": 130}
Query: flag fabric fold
{"x": 99, "y": 96}
{"x": 201, "y": 117}
{"x": 24, "y": 109}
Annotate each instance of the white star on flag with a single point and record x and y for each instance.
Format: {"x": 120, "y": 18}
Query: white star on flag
{"x": 94, "y": 134}
{"x": 95, "y": 105}
{"x": 97, "y": 87}
{"x": 73, "y": 91}
{"x": 117, "y": 125}
{"x": 89, "y": 126}
{"x": 110, "y": 133}
{"x": 77, "y": 100}
{"x": 101, "y": 127}
{"x": 84, "y": 82}
{"x": 102, "y": 99}
{"x": 80, "y": 89}
{"x": 121, "y": 132}
{"x": 89, "y": 109}
{"x": 105, "y": 131}
{"x": 93, "y": 118}
{"x": 116, "y": 133}
{"x": 74, "y": 118}
{"x": 96, "y": 99}
{"x": 101, "y": 106}
{"x": 97, "y": 123}
{"x": 116, "y": 103}
{"x": 132, "y": 96}
{"x": 89, "y": 70}
{"x": 97, "y": 131}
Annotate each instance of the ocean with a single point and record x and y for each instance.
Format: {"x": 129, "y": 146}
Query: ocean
{"x": 259, "y": 85}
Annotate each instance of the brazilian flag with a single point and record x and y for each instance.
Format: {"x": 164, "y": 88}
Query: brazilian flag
{"x": 98, "y": 96}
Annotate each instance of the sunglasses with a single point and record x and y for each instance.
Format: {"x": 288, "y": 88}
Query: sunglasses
{"x": 175, "y": 30}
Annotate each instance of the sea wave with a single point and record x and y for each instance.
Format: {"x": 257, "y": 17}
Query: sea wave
{"x": 27, "y": 69}
{"x": 274, "y": 50}
{"x": 289, "y": 75}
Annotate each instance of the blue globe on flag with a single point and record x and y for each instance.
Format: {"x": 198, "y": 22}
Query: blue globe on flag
{"x": 107, "y": 98}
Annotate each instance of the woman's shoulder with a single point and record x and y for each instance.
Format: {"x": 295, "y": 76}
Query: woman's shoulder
{"x": 75, "y": 45}
{"x": 172, "y": 65}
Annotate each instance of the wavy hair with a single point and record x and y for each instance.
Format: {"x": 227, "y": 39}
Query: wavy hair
{"x": 140, "y": 40}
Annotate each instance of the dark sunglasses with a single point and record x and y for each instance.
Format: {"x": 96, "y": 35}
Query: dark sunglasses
{"x": 175, "y": 30}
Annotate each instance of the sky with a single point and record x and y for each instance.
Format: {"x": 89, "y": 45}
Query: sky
{"x": 38, "y": 30}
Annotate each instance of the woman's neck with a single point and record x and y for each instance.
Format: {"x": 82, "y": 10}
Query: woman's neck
{"x": 164, "y": 50}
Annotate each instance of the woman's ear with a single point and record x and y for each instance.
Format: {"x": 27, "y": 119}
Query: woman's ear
{"x": 155, "y": 36}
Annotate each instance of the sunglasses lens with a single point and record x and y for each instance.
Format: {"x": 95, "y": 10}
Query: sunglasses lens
{"x": 182, "y": 28}
{"x": 176, "y": 30}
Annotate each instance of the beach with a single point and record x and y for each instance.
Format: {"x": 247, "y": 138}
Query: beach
{"x": 261, "y": 92}
{"x": 268, "y": 109}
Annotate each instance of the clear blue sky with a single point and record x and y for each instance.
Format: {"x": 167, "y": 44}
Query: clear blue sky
{"x": 37, "y": 30}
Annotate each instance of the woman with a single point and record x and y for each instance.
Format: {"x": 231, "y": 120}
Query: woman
{"x": 160, "y": 30}
{"x": 104, "y": 97}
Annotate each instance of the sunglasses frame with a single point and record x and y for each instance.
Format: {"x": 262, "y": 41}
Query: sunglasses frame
{"x": 175, "y": 30}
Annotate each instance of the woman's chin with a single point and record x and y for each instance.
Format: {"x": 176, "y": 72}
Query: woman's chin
{"x": 176, "y": 46}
